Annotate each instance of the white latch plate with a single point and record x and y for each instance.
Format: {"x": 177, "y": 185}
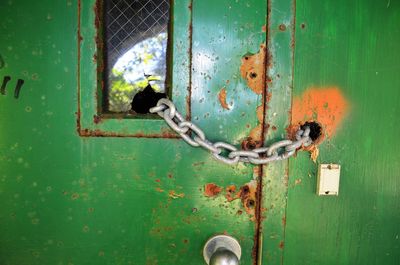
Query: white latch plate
{"x": 328, "y": 179}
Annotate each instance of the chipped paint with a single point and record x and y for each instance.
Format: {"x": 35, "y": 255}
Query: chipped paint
{"x": 211, "y": 190}
{"x": 248, "y": 196}
{"x": 314, "y": 152}
{"x": 260, "y": 113}
{"x": 256, "y": 135}
{"x": 255, "y": 138}
{"x": 222, "y": 99}
{"x": 326, "y": 105}
{"x": 172, "y": 194}
{"x": 253, "y": 70}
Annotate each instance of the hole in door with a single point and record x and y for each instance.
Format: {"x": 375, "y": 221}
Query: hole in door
{"x": 315, "y": 130}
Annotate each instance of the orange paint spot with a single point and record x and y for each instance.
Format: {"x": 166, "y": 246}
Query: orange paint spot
{"x": 325, "y": 105}
{"x": 222, "y": 98}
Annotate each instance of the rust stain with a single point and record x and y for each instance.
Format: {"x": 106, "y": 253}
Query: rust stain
{"x": 253, "y": 69}
{"x": 159, "y": 189}
{"x": 97, "y": 8}
{"x": 99, "y": 133}
{"x": 297, "y": 181}
{"x": 249, "y": 143}
{"x": 264, "y": 28}
{"x": 281, "y": 245}
{"x": 231, "y": 193}
{"x": 257, "y": 171}
{"x": 326, "y": 105}
{"x": 291, "y": 131}
{"x": 96, "y": 119}
{"x": 211, "y": 190}
{"x": 78, "y": 71}
{"x": 188, "y": 106}
{"x": 190, "y": 55}
{"x": 259, "y": 210}
{"x": 247, "y": 195}
{"x": 222, "y": 98}
{"x": 98, "y": 12}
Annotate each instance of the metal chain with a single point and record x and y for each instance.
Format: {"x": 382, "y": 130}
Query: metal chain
{"x": 226, "y": 152}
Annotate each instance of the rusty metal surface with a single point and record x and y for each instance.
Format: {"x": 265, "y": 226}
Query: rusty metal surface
{"x": 89, "y": 197}
{"x": 280, "y": 39}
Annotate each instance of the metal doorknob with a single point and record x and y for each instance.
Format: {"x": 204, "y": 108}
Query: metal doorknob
{"x": 222, "y": 250}
{"x": 224, "y": 257}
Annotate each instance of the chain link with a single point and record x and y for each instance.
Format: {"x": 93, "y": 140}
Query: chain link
{"x": 226, "y": 152}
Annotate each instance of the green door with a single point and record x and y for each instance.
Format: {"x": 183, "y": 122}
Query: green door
{"x": 83, "y": 185}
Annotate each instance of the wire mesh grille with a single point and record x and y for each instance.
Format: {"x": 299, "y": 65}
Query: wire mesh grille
{"x": 130, "y": 21}
{"x": 136, "y": 33}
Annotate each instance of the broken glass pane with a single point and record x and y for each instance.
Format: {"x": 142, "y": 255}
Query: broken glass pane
{"x": 136, "y": 34}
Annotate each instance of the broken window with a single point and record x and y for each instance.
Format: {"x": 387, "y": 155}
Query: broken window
{"x": 135, "y": 38}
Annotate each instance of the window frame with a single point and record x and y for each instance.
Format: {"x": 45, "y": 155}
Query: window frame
{"x": 91, "y": 121}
